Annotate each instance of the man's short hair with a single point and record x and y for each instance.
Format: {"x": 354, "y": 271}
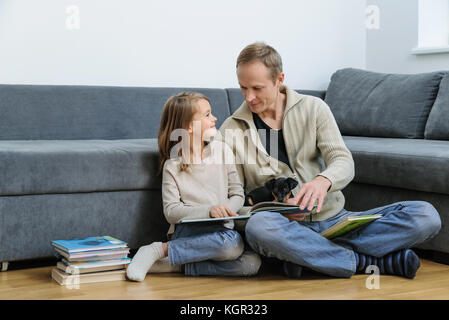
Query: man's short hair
{"x": 262, "y": 52}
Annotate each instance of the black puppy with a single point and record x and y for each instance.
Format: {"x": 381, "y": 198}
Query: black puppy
{"x": 274, "y": 190}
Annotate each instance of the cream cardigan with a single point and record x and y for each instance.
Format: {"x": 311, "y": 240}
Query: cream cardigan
{"x": 311, "y": 136}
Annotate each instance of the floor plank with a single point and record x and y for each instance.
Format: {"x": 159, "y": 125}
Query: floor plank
{"x": 431, "y": 282}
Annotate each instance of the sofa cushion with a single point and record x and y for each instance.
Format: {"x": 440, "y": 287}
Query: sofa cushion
{"x": 437, "y": 126}
{"x": 236, "y": 98}
{"x": 415, "y": 164}
{"x": 375, "y": 104}
{"x": 55, "y": 166}
{"x": 53, "y": 112}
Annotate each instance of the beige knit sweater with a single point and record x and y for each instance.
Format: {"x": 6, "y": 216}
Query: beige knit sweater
{"x": 314, "y": 147}
{"x": 191, "y": 194}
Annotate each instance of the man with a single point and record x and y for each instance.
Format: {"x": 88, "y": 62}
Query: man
{"x": 306, "y": 133}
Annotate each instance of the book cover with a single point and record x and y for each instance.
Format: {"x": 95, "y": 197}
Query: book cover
{"x": 91, "y": 267}
{"x": 89, "y": 244}
{"x": 72, "y": 279}
{"x": 112, "y": 254}
{"x": 97, "y": 263}
{"x": 106, "y": 258}
{"x": 246, "y": 212}
{"x": 348, "y": 224}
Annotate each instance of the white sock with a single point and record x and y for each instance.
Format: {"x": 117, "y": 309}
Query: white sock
{"x": 163, "y": 266}
{"x": 143, "y": 260}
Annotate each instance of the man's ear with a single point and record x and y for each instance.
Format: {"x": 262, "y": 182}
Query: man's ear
{"x": 270, "y": 184}
{"x": 292, "y": 183}
{"x": 280, "y": 78}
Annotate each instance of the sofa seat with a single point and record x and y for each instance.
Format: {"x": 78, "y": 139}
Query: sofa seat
{"x": 415, "y": 164}
{"x": 73, "y": 166}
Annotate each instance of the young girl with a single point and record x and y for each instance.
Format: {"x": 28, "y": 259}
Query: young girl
{"x": 198, "y": 181}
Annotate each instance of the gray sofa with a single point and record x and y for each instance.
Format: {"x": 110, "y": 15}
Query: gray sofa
{"x": 77, "y": 161}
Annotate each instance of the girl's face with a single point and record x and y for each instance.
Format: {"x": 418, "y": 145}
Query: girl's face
{"x": 203, "y": 122}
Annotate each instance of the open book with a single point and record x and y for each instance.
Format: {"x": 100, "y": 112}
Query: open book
{"x": 246, "y": 212}
{"x": 338, "y": 229}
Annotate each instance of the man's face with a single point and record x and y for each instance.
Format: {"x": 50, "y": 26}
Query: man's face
{"x": 257, "y": 86}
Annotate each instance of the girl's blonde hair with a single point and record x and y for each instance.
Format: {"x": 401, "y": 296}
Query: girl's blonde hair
{"x": 177, "y": 114}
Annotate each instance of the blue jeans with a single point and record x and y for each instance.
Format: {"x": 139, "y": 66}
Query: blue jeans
{"x": 403, "y": 225}
{"x": 211, "y": 249}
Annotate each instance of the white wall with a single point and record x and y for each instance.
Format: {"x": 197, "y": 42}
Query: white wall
{"x": 190, "y": 43}
{"x": 389, "y": 48}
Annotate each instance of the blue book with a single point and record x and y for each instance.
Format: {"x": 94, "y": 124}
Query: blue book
{"x": 89, "y": 244}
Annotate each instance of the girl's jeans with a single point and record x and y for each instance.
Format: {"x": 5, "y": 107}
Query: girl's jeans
{"x": 403, "y": 225}
{"x": 211, "y": 249}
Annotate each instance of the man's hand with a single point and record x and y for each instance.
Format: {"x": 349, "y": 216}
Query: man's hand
{"x": 221, "y": 212}
{"x": 311, "y": 193}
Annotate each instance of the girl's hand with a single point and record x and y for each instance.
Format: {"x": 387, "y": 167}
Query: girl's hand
{"x": 221, "y": 212}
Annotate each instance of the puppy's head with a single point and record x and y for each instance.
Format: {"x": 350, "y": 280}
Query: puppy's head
{"x": 281, "y": 188}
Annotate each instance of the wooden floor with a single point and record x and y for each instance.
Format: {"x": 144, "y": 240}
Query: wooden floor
{"x": 431, "y": 282}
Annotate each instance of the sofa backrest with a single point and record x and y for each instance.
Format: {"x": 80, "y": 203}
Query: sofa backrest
{"x": 375, "y": 104}
{"x": 437, "y": 126}
{"x": 65, "y": 112}
{"x": 61, "y": 112}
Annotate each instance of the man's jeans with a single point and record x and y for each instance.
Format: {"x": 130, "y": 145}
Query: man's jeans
{"x": 403, "y": 225}
{"x": 211, "y": 249}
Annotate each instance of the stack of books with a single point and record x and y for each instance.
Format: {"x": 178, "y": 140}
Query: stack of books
{"x": 93, "y": 259}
